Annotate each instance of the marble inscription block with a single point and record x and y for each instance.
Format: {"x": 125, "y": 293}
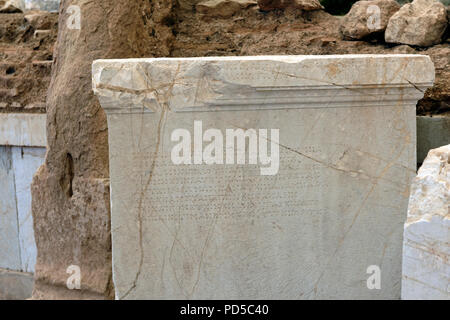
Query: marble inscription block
{"x": 197, "y": 215}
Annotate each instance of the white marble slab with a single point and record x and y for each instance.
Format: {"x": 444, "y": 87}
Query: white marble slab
{"x": 9, "y": 229}
{"x": 334, "y": 207}
{"x": 23, "y": 129}
{"x": 26, "y": 161}
{"x": 22, "y": 150}
{"x": 426, "y": 243}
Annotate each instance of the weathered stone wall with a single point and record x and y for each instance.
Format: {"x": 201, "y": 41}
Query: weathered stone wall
{"x": 26, "y": 45}
{"x": 26, "y": 55}
{"x": 15, "y": 285}
{"x": 47, "y": 5}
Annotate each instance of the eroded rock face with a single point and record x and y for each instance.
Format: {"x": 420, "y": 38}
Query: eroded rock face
{"x": 26, "y": 54}
{"x": 420, "y": 23}
{"x": 368, "y": 17}
{"x": 71, "y": 190}
{"x": 426, "y": 249}
{"x": 223, "y": 8}
{"x": 267, "y": 5}
{"x": 11, "y": 6}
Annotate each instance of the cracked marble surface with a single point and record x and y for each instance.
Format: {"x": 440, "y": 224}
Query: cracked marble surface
{"x": 336, "y": 206}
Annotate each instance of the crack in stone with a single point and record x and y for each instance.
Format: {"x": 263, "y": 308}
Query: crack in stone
{"x": 228, "y": 189}
{"x": 164, "y": 109}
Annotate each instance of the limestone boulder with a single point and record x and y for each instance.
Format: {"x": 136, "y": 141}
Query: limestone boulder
{"x": 307, "y": 5}
{"x": 368, "y": 17}
{"x": 40, "y": 20}
{"x": 44, "y": 5}
{"x": 352, "y": 228}
{"x": 420, "y": 23}
{"x": 426, "y": 249}
{"x": 12, "y": 6}
{"x": 188, "y": 4}
{"x": 223, "y": 8}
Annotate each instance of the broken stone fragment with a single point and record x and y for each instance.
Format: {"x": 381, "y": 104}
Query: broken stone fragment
{"x": 421, "y": 23}
{"x": 367, "y": 17}
{"x": 223, "y": 8}
{"x": 307, "y": 5}
{"x": 11, "y": 6}
{"x": 426, "y": 248}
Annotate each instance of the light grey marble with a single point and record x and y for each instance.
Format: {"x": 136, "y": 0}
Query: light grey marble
{"x": 335, "y": 206}
{"x": 426, "y": 243}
